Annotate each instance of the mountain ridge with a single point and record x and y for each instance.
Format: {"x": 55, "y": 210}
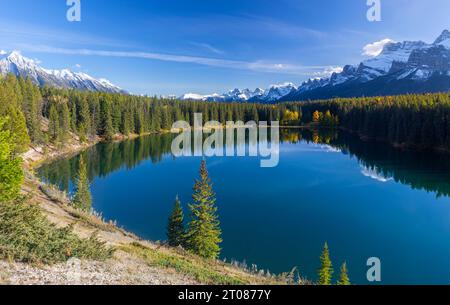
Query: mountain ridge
{"x": 21, "y": 66}
{"x": 400, "y": 68}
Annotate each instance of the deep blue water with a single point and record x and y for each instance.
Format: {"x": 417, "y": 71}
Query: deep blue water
{"x": 364, "y": 199}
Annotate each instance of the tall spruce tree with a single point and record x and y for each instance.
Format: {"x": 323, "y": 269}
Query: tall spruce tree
{"x": 203, "y": 234}
{"x": 53, "y": 123}
{"x": 64, "y": 122}
{"x": 326, "y": 268}
{"x": 175, "y": 227}
{"x": 73, "y": 118}
{"x": 106, "y": 126}
{"x": 343, "y": 278}
{"x": 82, "y": 199}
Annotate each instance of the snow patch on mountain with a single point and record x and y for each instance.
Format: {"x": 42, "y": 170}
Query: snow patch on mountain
{"x": 393, "y": 52}
{"x": 375, "y": 49}
{"x": 443, "y": 39}
{"x": 22, "y": 66}
{"x": 272, "y": 94}
{"x": 391, "y": 61}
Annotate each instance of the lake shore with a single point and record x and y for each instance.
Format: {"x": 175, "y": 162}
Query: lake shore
{"x": 135, "y": 261}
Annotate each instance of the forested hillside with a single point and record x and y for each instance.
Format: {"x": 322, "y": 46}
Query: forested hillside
{"x": 105, "y": 114}
{"x": 421, "y": 121}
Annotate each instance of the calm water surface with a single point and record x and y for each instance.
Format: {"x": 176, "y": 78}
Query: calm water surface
{"x": 365, "y": 199}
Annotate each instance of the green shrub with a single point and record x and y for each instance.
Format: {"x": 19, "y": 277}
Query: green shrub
{"x": 26, "y": 235}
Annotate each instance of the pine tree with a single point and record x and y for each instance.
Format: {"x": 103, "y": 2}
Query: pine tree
{"x": 203, "y": 234}
{"x": 82, "y": 198}
{"x": 84, "y": 123}
{"x": 11, "y": 175}
{"x": 106, "y": 127}
{"x": 32, "y": 108}
{"x": 175, "y": 228}
{"x": 64, "y": 122}
{"x": 344, "y": 279}
{"x": 53, "y": 124}
{"x": 73, "y": 118}
{"x": 254, "y": 115}
{"x": 326, "y": 269}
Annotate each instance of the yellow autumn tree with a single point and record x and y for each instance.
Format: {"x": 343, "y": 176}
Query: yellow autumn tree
{"x": 316, "y": 116}
{"x": 290, "y": 117}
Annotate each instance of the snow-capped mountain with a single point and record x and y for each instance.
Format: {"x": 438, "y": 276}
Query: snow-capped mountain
{"x": 270, "y": 95}
{"x": 24, "y": 67}
{"x": 402, "y": 67}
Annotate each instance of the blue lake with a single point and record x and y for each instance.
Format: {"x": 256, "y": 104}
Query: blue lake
{"x": 365, "y": 199}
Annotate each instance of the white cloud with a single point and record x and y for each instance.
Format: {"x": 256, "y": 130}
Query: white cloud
{"x": 2, "y": 52}
{"x": 78, "y": 66}
{"x": 260, "y": 66}
{"x": 375, "y": 49}
{"x": 374, "y": 174}
{"x": 208, "y": 47}
{"x": 328, "y": 71}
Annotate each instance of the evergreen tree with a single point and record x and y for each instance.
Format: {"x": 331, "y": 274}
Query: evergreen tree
{"x": 73, "y": 118}
{"x": 106, "y": 127}
{"x": 175, "y": 228}
{"x": 64, "y": 122}
{"x": 344, "y": 279}
{"x": 84, "y": 123}
{"x": 53, "y": 123}
{"x": 326, "y": 268}
{"x": 32, "y": 108}
{"x": 16, "y": 124}
{"x": 203, "y": 234}
{"x": 82, "y": 198}
{"x": 11, "y": 175}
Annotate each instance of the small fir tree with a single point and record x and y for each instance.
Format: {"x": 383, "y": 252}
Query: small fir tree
{"x": 175, "y": 227}
{"x": 203, "y": 235}
{"x": 326, "y": 268}
{"x": 82, "y": 198}
{"x": 344, "y": 279}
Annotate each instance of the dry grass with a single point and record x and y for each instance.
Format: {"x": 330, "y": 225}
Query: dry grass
{"x": 205, "y": 271}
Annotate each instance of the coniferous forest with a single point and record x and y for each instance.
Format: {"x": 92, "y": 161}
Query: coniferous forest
{"x": 34, "y": 115}
{"x": 409, "y": 120}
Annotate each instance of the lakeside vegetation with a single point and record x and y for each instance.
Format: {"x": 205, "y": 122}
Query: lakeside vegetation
{"x": 26, "y": 235}
{"x": 202, "y": 235}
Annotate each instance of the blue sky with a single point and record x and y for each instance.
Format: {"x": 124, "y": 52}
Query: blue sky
{"x": 172, "y": 47}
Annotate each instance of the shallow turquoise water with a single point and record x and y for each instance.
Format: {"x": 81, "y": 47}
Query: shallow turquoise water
{"x": 365, "y": 199}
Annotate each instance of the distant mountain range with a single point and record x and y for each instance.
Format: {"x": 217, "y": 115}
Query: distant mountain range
{"x": 402, "y": 67}
{"x": 272, "y": 94}
{"x": 19, "y": 65}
